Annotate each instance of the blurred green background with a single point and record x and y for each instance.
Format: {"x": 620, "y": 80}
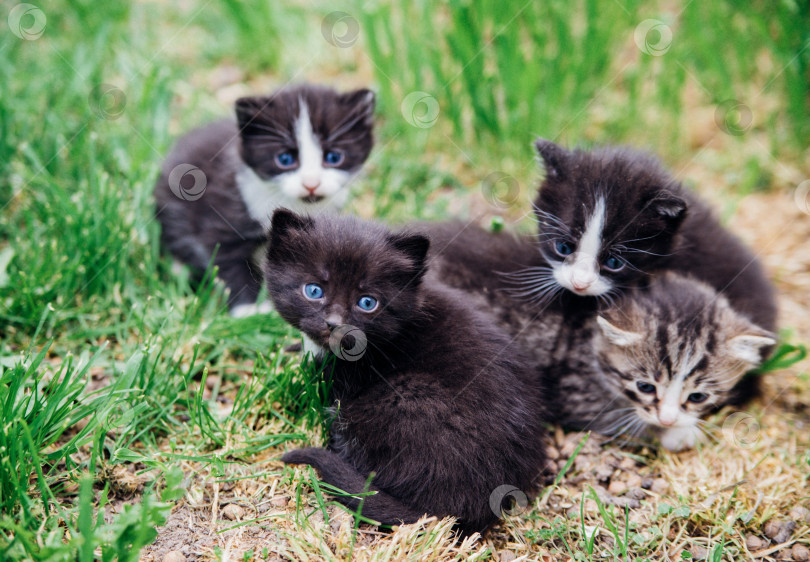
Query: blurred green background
{"x": 93, "y": 93}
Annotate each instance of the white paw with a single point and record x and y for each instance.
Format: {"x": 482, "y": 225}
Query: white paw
{"x": 679, "y": 438}
{"x": 179, "y": 269}
{"x": 245, "y": 310}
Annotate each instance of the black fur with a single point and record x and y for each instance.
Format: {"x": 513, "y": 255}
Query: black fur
{"x": 656, "y": 222}
{"x": 439, "y": 407}
{"x": 192, "y": 229}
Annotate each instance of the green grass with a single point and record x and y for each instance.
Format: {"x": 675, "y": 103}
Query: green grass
{"x": 109, "y": 359}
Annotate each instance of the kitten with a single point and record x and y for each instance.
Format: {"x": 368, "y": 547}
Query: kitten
{"x": 429, "y": 396}
{"x": 664, "y": 357}
{"x": 559, "y": 336}
{"x": 610, "y": 217}
{"x": 297, "y": 148}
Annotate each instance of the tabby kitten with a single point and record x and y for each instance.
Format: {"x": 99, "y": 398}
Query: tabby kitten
{"x": 297, "y": 148}
{"x": 665, "y": 356}
{"x": 428, "y": 394}
{"x": 610, "y": 217}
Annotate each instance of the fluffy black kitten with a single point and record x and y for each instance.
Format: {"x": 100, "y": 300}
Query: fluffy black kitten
{"x": 297, "y": 148}
{"x": 428, "y": 394}
{"x": 610, "y": 217}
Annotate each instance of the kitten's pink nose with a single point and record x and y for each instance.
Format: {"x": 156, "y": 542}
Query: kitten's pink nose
{"x": 581, "y": 285}
{"x": 311, "y": 184}
{"x": 665, "y": 421}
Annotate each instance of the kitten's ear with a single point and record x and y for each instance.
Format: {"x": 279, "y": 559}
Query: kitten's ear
{"x": 415, "y": 246}
{"x": 247, "y": 108}
{"x": 554, "y": 157}
{"x": 749, "y": 347}
{"x": 670, "y": 206}
{"x": 283, "y": 221}
{"x": 362, "y": 101}
{"x": 616, "y": 335}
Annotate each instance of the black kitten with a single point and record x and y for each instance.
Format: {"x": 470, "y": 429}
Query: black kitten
{"x": 610, "y": 217}
{"x": 429, "y": 395}
{"x": 296, "y": 148}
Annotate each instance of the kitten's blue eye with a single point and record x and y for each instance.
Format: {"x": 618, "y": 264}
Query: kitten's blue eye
{"x": 645, "y": 387}
{"x": 313, "y": 291}
{"x": 614, "y": 263}
{"x": 697, "y": 397}
{"x": 563, "y": 248}
{"x": 285, "y": 160}
{"x": 333, "y": 158}
{"x": 367, "y": 303}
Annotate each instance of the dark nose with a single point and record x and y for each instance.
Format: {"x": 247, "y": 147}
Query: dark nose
{"x": 332, "y": 324}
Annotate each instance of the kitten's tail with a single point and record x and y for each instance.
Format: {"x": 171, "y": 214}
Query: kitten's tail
{"x": 381, "y": 507}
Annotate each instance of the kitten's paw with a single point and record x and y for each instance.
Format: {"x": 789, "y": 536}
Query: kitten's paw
{"x": 679, "y": 438}
{"x": 245, "y": 310}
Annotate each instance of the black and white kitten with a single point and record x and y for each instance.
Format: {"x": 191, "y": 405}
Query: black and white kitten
{"x": 664, "y": 357}
{"x": 428, "y": 394}
{"x": 676, "y": 323}
{"x": 611, "y": 217}
{"x": 297, "y": 148}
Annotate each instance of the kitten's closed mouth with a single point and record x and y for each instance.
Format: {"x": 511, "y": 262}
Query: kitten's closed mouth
{"x": 312, "y": 198}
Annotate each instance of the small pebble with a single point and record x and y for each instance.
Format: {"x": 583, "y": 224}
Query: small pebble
{"x": 627, "y": 463}
{"x": 800, "y": 552}
{"x": 646, "y": 482}
{"x": 636, "y": 493}
{"x": 698, "y": 552}
{"x": 753, "y": 543}
{"x": 659, "y": 486}
{"x": 582, "y": 462}
{"x": 279, "y": 501}
{"x": 233, "y": 512}
{"x": 553, "y": 453}
{"x": 633, "y": 480}
{"x": 603, "y": 472}
{"x": 174, "y": 556}
{"x": 617, "y": 487}
{"x": 779, "y": 531}
{"x": 800, "y": 514}
{"x": 506, "y": 556}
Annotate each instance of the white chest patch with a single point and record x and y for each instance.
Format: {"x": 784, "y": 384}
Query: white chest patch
{"x": 309, "y": 346}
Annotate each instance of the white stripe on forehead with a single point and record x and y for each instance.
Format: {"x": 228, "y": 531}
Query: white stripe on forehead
{"x": 591, "y": 241}
{"x": 310, "y": 154}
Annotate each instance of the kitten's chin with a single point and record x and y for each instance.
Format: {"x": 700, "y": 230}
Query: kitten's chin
{"x": 677, "y": 439}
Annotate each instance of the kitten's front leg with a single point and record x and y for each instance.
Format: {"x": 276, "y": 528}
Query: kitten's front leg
{"x": 679, "y": 438}
{"x": 241, "y": 276}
